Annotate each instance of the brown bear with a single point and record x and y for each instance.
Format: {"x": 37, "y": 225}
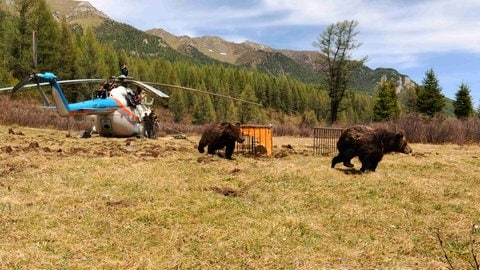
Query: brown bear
{"x": 219, "y": 135}
{"x": 369, "y": 145}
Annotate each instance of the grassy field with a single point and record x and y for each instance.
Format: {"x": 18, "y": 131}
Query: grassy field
{"x": 109, "y": 203}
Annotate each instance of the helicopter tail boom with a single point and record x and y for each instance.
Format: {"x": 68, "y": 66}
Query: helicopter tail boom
{"x": 57, "y": 93}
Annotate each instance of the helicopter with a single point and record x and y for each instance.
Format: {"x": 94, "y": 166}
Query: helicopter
{"x": 115, "y": 115}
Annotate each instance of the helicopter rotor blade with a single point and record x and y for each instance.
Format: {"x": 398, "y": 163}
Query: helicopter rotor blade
{"x": 150, "y": 89}
{"x": 21, "y": 84}
{"x": 76, "y": 81}
{"x": 204, "y": 92}
{"x": 24, "y": 83}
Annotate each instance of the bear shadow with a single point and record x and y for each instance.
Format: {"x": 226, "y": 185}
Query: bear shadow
{"x": 349, "y": 171}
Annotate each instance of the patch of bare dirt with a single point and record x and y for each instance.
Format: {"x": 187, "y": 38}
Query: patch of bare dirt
{"x": 225, "y": 191}
{"x": 118, "y": 204}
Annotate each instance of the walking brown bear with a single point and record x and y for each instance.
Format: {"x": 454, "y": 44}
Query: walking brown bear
{"x": 219, "y": 135}
{"x": 369, "y": 145}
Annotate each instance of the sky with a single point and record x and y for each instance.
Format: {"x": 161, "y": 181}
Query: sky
{"x": 411, "y": 36}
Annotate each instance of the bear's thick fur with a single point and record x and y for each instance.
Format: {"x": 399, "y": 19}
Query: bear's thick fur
{"x": 219, "y": 135}
{"x": 369, "y": 145}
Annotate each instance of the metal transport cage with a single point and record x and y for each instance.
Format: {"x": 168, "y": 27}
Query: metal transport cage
{"x": 258, "y": 140}
{"x": 325, "y": 140}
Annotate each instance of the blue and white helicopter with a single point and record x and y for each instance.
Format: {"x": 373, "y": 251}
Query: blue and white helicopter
{"x": 115, "y": 115}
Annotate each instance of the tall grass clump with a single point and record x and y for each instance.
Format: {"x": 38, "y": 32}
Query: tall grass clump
{"x": 28, "y": 112}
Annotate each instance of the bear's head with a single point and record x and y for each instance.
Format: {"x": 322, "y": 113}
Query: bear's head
{"x": 401, "y": 145}
{"x": 236, "y": 132}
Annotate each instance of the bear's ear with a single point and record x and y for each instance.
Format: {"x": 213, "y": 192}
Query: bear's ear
{"x": 400, "y": 134}
{"x": 237, "y": 124}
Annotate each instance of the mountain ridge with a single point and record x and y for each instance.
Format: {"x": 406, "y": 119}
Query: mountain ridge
{"x": 300, "y": 65}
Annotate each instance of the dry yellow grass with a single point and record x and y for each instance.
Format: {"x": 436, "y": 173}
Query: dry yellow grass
{"x": 159, "y": 204}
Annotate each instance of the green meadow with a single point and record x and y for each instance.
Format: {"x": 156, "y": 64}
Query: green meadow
{"x": 109, "y": 203}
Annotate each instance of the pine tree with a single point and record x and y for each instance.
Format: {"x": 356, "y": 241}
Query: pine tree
{"x": 203, "y": 110}
{"x": 386, "y": 102}
{"x": 22, "y": 39}
{"x": 123, "y": 59}
{"x": 478, "y": 110}
{"x": 110, "y": 61}
{"x": 6, "y": 34}
{"x": 48, "y": 36}
{"x": 463, "y": 105}
{"x": 408, "y": 99}
{"x": 430, "y": 100}
{"x": 67, "y": 64}
{"x": 232, "y": 115}
{"x": 176, "y": 103}
{"x": 248, "y": 112}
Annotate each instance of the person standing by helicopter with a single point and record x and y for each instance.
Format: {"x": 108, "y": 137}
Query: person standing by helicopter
{"x": 101, "y": 91}
{"x": 124, "y": 70}
{"x": 147, "y": 125}
{"x": 150, "y": 124}
{"x": 105, "y": 89}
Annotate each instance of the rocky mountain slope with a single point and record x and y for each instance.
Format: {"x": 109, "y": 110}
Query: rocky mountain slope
{"x": 213, "y": 49}
{"x": 299, "y": 64}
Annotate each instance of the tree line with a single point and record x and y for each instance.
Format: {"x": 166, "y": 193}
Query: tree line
{"x": 73, "y": 52}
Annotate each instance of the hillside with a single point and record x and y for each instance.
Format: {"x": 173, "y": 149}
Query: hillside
{"x": 77, "y": 12}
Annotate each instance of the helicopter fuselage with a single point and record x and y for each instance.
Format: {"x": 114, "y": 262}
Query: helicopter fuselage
{"x": 113, "y": 116}
{"x": 115, "y": 124}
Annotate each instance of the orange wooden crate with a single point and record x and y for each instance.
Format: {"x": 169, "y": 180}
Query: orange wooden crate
{"x": 258, "y": 140}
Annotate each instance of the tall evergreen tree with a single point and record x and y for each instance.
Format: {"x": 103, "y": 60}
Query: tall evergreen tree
{"x": 430, "y": 100}
{"x": 386, "y": 102}
{"x": 232, "y": 115}
{"x": 248, "y": 112}
{"x": 176, "y": 103}
{"x": 22, "y": 43}
{"x": 110, "y": 60}
{"x": 408, "y": 99}
{"x": 478, "y": 110}
{"x": 6, "y": 34}
{"x": 48, "y": 36}
{"x": 67, "y": 64}
{"x": 203, "y": 111}
{"x": 92, "y": 57}
{"x": 123, "y": 58}
{"x": 463, "y": 105}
